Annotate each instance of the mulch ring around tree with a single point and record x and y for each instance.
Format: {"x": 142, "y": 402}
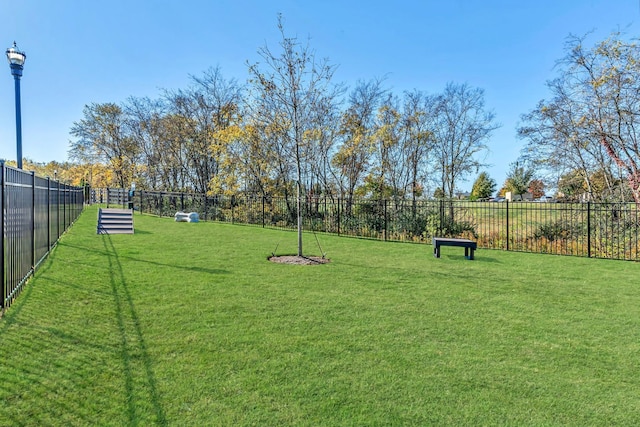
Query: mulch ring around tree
{"x": 298, "y": 260}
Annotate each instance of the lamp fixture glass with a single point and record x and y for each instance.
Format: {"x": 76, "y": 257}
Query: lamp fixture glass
{"x": 15, "y": 57}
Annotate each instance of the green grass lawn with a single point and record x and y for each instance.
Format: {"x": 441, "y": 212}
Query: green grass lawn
{"x": 189, "y": 324}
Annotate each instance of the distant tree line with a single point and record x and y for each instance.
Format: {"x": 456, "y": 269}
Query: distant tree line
{"x": 290, "y": 128}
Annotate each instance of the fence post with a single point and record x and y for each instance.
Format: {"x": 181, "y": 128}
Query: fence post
{"x": 339, "y": 198}
{"x": 233, "y": 199}
{"x": 325, "y": 226}
{"x": 206, "y": 205}
{"x": 441, "y": 222}
{"x": 64, "y": 206}
{"x": 33, "y": 221}
{"x": 3, "y": 285}
{"x": 386, "y": 224}
{"x": 58, "y": 213}
{"x": 48, "y": 213}
{"x": 589, "y": 229}
{"x": 263, "y": 211}
{"x": 507, "y": 204}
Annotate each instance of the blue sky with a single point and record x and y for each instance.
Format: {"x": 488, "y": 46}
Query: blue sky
{"x": 79, "y": 52}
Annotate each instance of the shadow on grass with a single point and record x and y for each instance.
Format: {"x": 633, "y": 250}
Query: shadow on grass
{"x": 483, "y": 258}
{"x": 476, "y": 259}
{"x": 141, "y": 232}
{"x": 182, "y": 267}
{"x": 160, "y": 264}
{"x": 126, "y": 314}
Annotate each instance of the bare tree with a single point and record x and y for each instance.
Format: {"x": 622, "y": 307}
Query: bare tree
{"x": 145, "y": 119}
{"x": 202, "y": 114}
{"x": 352, "y": 160}
{"x": 390, "y": 166}
{"x": 593, "y": 115}
{"x": 461, "y": 129}
{"x": 559, "y": 144}
{"x": 417, "y": 140}
{"x": 103, "y": 135}
{"x": 292, "y": 90}
{"x": 608, "y": 76}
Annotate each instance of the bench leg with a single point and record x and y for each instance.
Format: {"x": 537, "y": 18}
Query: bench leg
{"x": 436, "y": 251}
{"x": 468, "y": 253}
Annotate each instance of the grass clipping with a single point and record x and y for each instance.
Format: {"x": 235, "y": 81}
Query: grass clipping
{"x": 298, "y": 260}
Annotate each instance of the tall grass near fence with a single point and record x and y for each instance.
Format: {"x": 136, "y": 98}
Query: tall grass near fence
{"x": 189, "y": 324}
{"x": 597, "y": 230}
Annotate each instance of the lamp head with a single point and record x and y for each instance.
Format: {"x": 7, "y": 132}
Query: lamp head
{"x": 16, "y": 59}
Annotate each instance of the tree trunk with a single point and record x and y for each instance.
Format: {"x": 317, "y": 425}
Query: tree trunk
{"x": 299, "y": 218}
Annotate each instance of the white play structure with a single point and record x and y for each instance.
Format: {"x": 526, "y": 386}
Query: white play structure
{"x": 186, "y": 217}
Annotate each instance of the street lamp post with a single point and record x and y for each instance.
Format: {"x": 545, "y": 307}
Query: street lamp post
{"x": 16, "y": 62}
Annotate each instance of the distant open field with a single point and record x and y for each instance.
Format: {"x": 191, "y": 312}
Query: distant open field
{"x": 190, "y": 324}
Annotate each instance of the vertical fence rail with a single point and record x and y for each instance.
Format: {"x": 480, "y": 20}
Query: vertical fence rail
{"x": 3, "y": 247}
{"x": 35, "y": 212}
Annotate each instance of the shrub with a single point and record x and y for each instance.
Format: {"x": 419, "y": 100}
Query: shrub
{"x": 371, "y": 214}
{"x": 446, "y": 226}
{"x": 412, "y": 224}
{"x": 557, "y": 230}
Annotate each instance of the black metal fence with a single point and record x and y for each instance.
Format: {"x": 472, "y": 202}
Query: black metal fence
{"x": 599, "y": 230}
{"x": 35, "y": 212}
{"x": 110, "y": 196}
